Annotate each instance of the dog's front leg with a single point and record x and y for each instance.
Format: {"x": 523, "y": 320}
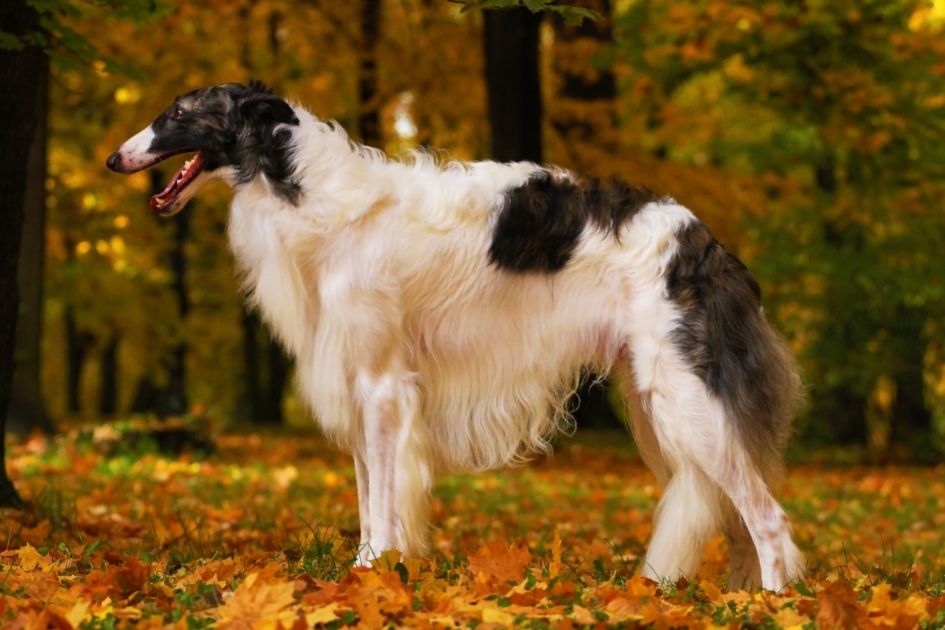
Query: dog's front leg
{"x": 364, "y": 507}
{"x": 397, "y": 465}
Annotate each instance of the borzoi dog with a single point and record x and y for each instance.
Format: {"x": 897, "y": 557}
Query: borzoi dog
{"x": 441, "y": 315}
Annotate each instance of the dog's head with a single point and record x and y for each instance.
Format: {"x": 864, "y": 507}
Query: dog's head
{"x": 235, "y": 132}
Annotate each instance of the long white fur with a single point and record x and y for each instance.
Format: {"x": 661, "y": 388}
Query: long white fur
{"x": 420, "y": 358}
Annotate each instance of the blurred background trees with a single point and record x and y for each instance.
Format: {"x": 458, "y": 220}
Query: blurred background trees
{"x": 809, "y": 136}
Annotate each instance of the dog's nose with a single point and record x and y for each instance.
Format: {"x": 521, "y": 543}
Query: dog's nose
{"x": 112, "y": 161}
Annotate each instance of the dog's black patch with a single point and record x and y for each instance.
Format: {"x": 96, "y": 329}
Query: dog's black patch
{"x": 540, "y": 222}
{"x": 267, "y": 151}
{"x": 723, "y": 333}
{"x": 233, "y": 125}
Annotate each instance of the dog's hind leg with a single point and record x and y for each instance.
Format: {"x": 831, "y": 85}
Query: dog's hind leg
{"x": 687, "y": 514}
{"x": 686, "y": 517}
{"x": 744, "y": 572}
{"x": 779, "y": 559}
{"x": 641, "y": 426}
{"x": 693, "y": 431}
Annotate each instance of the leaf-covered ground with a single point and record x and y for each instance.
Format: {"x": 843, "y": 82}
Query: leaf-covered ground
{"x": 261, "y": 534}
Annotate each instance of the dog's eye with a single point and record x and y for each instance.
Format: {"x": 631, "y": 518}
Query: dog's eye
{"x": 176, "y": 113}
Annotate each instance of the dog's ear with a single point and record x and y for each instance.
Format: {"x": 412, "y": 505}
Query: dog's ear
{"x": 266, "y": 110}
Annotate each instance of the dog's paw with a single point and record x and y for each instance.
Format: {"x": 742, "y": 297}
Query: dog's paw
{"x": 367, "y": 555}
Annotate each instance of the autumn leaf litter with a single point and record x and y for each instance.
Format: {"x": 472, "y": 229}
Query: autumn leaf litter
{"x": 261, "y": 534}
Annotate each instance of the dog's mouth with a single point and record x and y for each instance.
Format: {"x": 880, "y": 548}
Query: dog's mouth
{"x": 184, "y": 176}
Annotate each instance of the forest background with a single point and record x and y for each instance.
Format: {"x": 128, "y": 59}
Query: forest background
{"x": 809, "y": 136}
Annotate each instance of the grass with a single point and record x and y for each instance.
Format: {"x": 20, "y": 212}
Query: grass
{"x": 264, "y": 531}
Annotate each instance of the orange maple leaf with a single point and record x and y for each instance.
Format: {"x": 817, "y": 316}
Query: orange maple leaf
{"x": 116, "y": 582}
{"x": 497, "y": 560}
{"x": 258, "y": 603}
{"x": 373, "y": 594}
{"x": 840, "y": 609}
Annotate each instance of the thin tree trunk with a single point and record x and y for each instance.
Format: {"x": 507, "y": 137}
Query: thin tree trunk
{"x": 78, "y": 344}
{"x": 251, "y": 407}
{"x": 19, "y": 112}
{"x": 369, "y": 118}
{"x": 912, "y": 420}
{"x": 278, "y": 364}
{"x": 584, "y": 114}
{"x": 512, "y": 77}
{"x": 145, "y": 399}
{"x": 108, "y": 394}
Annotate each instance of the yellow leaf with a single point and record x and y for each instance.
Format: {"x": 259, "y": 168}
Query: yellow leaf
{"x": 414, "y": 565}
{"x": 494, "y": 615}
{"x": 583, "y": 616}
{"x": 78, "y": 612}
{"x": 790, "y": 619}
{"x": 880, "y": 597}
{"x": 639, "y": 586}
{"x": 622, "y": 609}
{"x": 713, "y": 592}
{"x": 387, "y": 560}
{"x": 258, "y": 603}
{"x": 323, "y": 614}
{"x": 30, "y": 559}
{"x": 554, "y": 569}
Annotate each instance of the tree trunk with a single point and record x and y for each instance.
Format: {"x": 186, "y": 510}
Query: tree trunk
{"x": 584, "y": 112}
{"x": 27, "y": 412}
{"x": 369, "y": 117}
{"x": 250, "y": 407}
{"x": 19, "y": 111}
{"x": 510, "y": 43}
{"x": 108, "y": 394}
{"x": 146, "y": 396}
{"x": 912, "y": 421}
{"x": 278, "y": 366}
{"x": 266, "y": 371}
{"x": 77, "y": 346}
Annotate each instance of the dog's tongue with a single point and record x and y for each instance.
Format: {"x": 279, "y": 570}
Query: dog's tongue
{"x": 184, "y": 175}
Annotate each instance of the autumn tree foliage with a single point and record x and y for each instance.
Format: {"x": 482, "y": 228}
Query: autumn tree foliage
{"x": 807, "y": 136}
{"x": 836, "y": 114}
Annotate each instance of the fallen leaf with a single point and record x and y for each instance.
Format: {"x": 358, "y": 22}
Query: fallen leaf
{"x": 258, "y": 603}
{"x": 500, "y": 561}
{"x": 839, "y": 608}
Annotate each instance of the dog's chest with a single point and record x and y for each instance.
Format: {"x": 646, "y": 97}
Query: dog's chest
{"x": 272, "y": 279}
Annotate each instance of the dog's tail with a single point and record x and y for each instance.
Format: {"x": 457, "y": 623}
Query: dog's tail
{"x": 733, "y": 349}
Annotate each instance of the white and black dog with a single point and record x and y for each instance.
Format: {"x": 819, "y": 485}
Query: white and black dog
{"x": 440, "y": 316}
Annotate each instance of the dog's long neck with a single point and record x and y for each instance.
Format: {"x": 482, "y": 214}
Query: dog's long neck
{"x": 279, "y": 244}
{"x": 332, "y": 171}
